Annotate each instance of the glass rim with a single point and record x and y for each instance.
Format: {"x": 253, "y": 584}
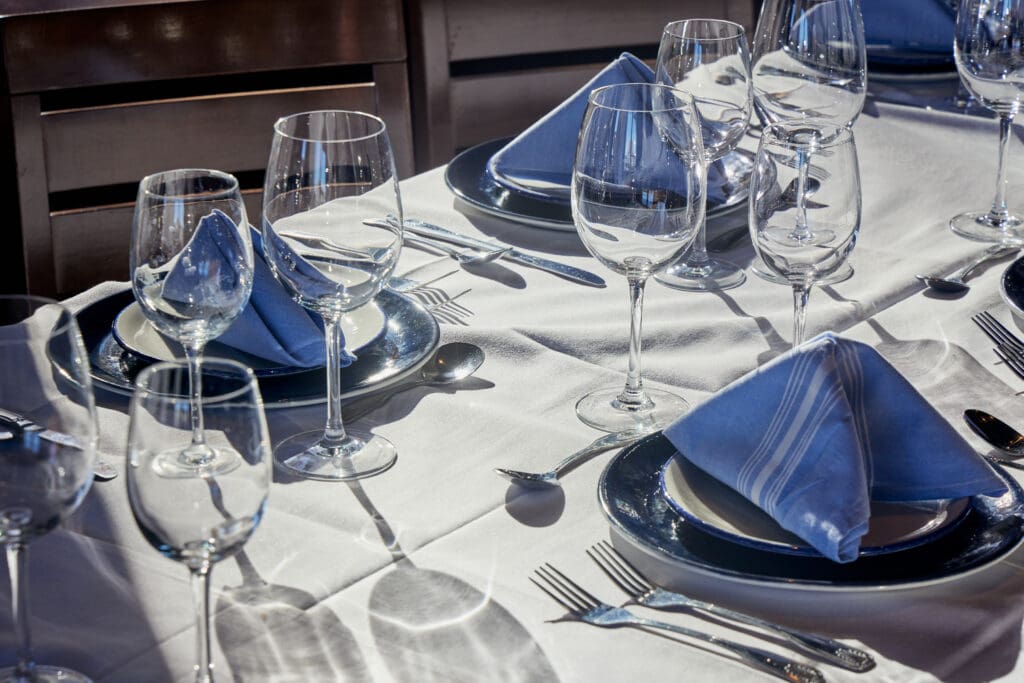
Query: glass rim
{"x": 685, "y": 98}
{"x": 280, "y": 123}
{"x": 831, "y": 134}
{"x": 209, "y": 398}
{"x": 232, "y": 185}
{"x": 68, "y": 323}
{"x": 738, "y": 30}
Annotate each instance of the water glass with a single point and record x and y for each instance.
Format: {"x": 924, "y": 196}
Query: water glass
{"x": 801, "y": 238}
{"x": 48, "y": 435}
{"x": 638, "y": 194}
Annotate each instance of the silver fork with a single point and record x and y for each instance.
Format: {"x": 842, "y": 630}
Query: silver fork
{"x": 643, "y": 592}
{"x": 997, "y": 332}
{"x": 588, "y": 609}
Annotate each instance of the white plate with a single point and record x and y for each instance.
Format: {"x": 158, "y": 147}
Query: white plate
{"x": 716, "y": 508}
{"x": 135, "y": 333}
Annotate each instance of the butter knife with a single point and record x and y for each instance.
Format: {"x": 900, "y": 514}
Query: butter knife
{"x": 11, "y": 424}
{"x": 560, "y": 269}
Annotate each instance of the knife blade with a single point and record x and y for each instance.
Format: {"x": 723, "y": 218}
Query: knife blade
{"x": 12, "y": 424}
{"x": 561, "y": 269}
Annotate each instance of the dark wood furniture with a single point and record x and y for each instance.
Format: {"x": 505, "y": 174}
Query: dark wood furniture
{"x": 482, "y": 69}
{"x": 98, "y": 93}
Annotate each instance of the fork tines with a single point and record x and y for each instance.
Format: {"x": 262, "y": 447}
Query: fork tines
{"x": 997, "y": 332}
{"x": 564, "y": 590}
{"x": 1013, "y": 359}
{"x": 618, "y": 569}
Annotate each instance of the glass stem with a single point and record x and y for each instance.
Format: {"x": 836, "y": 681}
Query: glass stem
{"x": 17, "y": 571}
{"x": 698, "y": 257}
{"x": 201, "y": 599}
{"x": 194, "y": 354}
{"x": 334, "y": 431}
{"x": 999, "y": 213}
{"x": 633, "y": 395}
{"x": 801, "y": 293}
{"x": 801, "y": 231}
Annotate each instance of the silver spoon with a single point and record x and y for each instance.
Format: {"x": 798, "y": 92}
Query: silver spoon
{"x": 452, "y": 362}
{"x": 465, "y": 257}
{"x": 998, "y": 434}
{"x": 543, "y": 480}
{"x": 955, "y": 282}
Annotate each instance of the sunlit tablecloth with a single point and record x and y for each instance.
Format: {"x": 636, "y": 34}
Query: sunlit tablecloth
{"x": 421, "y": 574}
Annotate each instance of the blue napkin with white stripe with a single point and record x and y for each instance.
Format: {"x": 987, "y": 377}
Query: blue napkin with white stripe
{"x": 816, "y": 434}
{"x": 272, "y": 326}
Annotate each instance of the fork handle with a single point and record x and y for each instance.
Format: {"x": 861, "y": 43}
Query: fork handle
{"x": 769, "y": 662}
{"x": 833, "y": 651}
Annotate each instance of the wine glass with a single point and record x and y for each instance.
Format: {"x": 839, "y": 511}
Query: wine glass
{"x": 809, "y": 62}
{"x": 638, "y": 192}
{"x": 331, "y": 175}
{"x": 192, "y": 274}
{"x": 48, "y": 435}
{"x": 805, "y": 240}
{"x": 989, "y": 53}
{"x": 709, "y": 59}
{"x": 201, "y": 515}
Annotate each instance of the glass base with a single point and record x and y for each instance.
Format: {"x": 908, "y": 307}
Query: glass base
{"x": 196, "y": 461}
{"x": 602, "y": 410}
{"x": 982, "y": 227}
{"x": 711, "y": 276}
{"x": 358, "y": 456}
{"x": 759, "y": 269}
{"x": 46, "y": 674}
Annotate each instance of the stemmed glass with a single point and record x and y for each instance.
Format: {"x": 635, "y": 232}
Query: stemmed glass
{"x": 192, "y": 274}
{"x": 48, "y": 435}
{"x": 805, "y": 240}
{"x": 709, "y": 59}
{"x": 638, "y": 191}
{"x": 201, "y": 515}
{"x": 331, "y": 175}
{"x": 989, "y": 53}
{"x": 809, "y": 62}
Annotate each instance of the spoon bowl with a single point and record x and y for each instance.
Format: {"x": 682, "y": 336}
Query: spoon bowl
{"x": 452, "y": 362}
{"x": 996, "y": 432}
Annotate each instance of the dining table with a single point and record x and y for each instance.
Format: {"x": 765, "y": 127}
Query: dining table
{"x": 422, "y": 573}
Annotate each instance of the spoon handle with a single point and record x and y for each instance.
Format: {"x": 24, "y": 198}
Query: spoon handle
{"x": 992, "y": 252}
{"x": 606, "y": 442}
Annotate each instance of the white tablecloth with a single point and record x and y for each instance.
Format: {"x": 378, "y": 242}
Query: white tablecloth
{"x": 420, "y": 574}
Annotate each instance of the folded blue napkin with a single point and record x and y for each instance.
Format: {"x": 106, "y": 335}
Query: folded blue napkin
{"x": 272, "y": 326}
{"x": 544, "y": 152}
{"x": 816, "y": 434}
{"x": 909, "y": 31}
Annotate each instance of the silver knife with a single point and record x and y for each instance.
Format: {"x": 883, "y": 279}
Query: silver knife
{"x": 561, "y": 269}
{"x": 12, "y": 423}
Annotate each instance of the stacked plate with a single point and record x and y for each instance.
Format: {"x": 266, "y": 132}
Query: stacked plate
{"x": 392, "y": 338}
{"x": 669, "y": 509}
{"x": 547, "y": 206}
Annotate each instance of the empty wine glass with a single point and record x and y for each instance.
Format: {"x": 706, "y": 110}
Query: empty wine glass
{"x": 989, "y": 53}
{"x": 48, "y": 435}
{"x": 638, "y": 192}
{"x": 331, "y": 175}
{"x": 201, "y": 515}
{"x": 709, "y": 59}
{"x": 801, "y": 239}
{"x": 192, "y": 274}
{"x": 809, "y": 62}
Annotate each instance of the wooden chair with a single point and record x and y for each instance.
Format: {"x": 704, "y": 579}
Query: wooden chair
{"x": 98, "y": 97}
{"x": 482, "y": 69}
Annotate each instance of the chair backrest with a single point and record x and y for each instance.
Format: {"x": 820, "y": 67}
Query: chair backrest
{"x": 101, "y": 97}
{"x": 486, "y": 69}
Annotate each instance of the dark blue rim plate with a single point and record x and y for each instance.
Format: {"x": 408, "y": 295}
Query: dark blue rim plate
{"x": 1011, "y": 286}
{"x": 468, "y": 178}
{"x": 630, "y": 494}
{"x": 410, "y": 337}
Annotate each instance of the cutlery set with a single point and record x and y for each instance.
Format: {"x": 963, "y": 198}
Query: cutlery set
{"x": 584, "y": 606}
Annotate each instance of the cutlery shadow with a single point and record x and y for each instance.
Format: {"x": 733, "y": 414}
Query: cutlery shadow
{"x": 536, "y": 508}
{"x": 433, "y": 626}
